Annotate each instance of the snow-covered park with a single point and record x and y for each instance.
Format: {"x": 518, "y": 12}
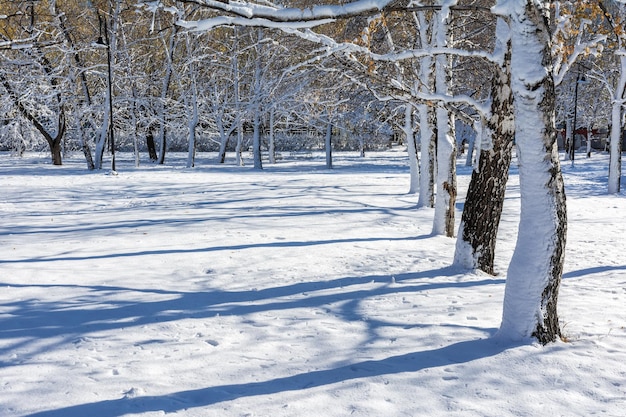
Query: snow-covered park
{"x": 293, "y": 291}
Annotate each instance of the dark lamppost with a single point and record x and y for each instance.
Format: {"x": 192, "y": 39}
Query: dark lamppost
{"x": 105, "y": 43}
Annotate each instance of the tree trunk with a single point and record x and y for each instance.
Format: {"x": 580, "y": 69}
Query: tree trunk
{"x": 256, "y": 138}
{"x": 427, "y": 120}
{"x": 615, "y": 159}
{"x": 476, "y": 242}
{"x": 329, "y": 144}
{"x": 272, "y": 144}
{"x": 77, "y": 72}
{"x": 446, "y": 142}
{"x": 169, "y": 53}
{"x": 55, "y": 150}
{"x": 535, "y": 271}
{"x": 470, "y": 150}
{"x": 222, "y": 150}
{"x": 191, "y": 133}
{"x": 569, "y": 138}
{"x": 407, "y": 129}
{"x": 427, "y": 140}
{"x": 151, "y": 145}
{"x": 239, "y": 121}
{"x": 193, "y": 117}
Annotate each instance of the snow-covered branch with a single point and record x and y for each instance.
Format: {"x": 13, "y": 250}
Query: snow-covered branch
{"x": 249, "y": 10}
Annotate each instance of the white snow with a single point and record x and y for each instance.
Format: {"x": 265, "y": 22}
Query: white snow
{"x": 292, "y": 291}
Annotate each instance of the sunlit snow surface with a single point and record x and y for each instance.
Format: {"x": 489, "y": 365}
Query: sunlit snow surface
{"x": 294, "y": 291}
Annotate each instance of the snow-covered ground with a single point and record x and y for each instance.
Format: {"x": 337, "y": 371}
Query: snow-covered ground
{"x": 295, "y": 291}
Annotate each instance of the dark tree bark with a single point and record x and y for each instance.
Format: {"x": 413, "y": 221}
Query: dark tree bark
{"x": 152, "y": 153}
{"x": 485, "y": 195}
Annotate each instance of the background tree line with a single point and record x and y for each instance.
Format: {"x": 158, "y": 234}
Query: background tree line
{"x": 55, "y": 77}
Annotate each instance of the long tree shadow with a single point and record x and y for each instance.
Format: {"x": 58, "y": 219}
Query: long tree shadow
{"x": 36, "y": 320}
{"x": 281, "y": 244}
{"x": 593, "y": 270}
{"x": 458, "y": 353}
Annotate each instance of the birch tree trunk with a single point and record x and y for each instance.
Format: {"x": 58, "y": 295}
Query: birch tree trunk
{"x": 476, "y": 243}
{"x": 169, "y": 68}
{"x": 407, "y": 129}
{"x": 239, "y": 118}
{"x": 446, "y": 143}
{"x": 193, "y": 117}
{"x": 256, "y": 138}
{"x": 427, "y": 122}
{"x": 427, "y": 167}
{"x": 535, "y": 271}
{"x": 615, "y": 159}
{"x": 328, "y": 143}
{"x": 272, "y": 143}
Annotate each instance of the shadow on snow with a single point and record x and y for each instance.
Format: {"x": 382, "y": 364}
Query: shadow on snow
{"x": 457, "y": 353}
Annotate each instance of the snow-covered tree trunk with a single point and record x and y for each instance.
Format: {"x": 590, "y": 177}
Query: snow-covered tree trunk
{"x": 76, "y": 73}
{"x": 169, "y": 68}
{"x": 239, "y": 119}
{"x": 328, "y": 144}
{"x": 407, "y": 127}
{"x": 535, "y": 271}
{"x": 103, "y": 134}
{"x": 409, "y": 134}
{"x": 134, "y": 112}
{"x": 218, "y": 111}
{"x": 446, "y": 142}
{"x": 191, "y": 133}
{"x": 469, "y": 158}
{"x": 193, "y": 118}
{"x": 106, "y": 131}
{"x": 271, "y": 140}
{"x": 569, "y": 137}
{"x": 476, "y": 243}
{"x": 239, "y": 144}
{"x": 427, "y": 121}
{"x": 615, "y": 159}
{"x": 256, "y": 137}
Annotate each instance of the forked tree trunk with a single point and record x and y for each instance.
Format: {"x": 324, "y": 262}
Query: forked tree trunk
{"x": 536, "y": 269}
{"x": 476, "y": 242}
{"x": 55, "y": 150}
